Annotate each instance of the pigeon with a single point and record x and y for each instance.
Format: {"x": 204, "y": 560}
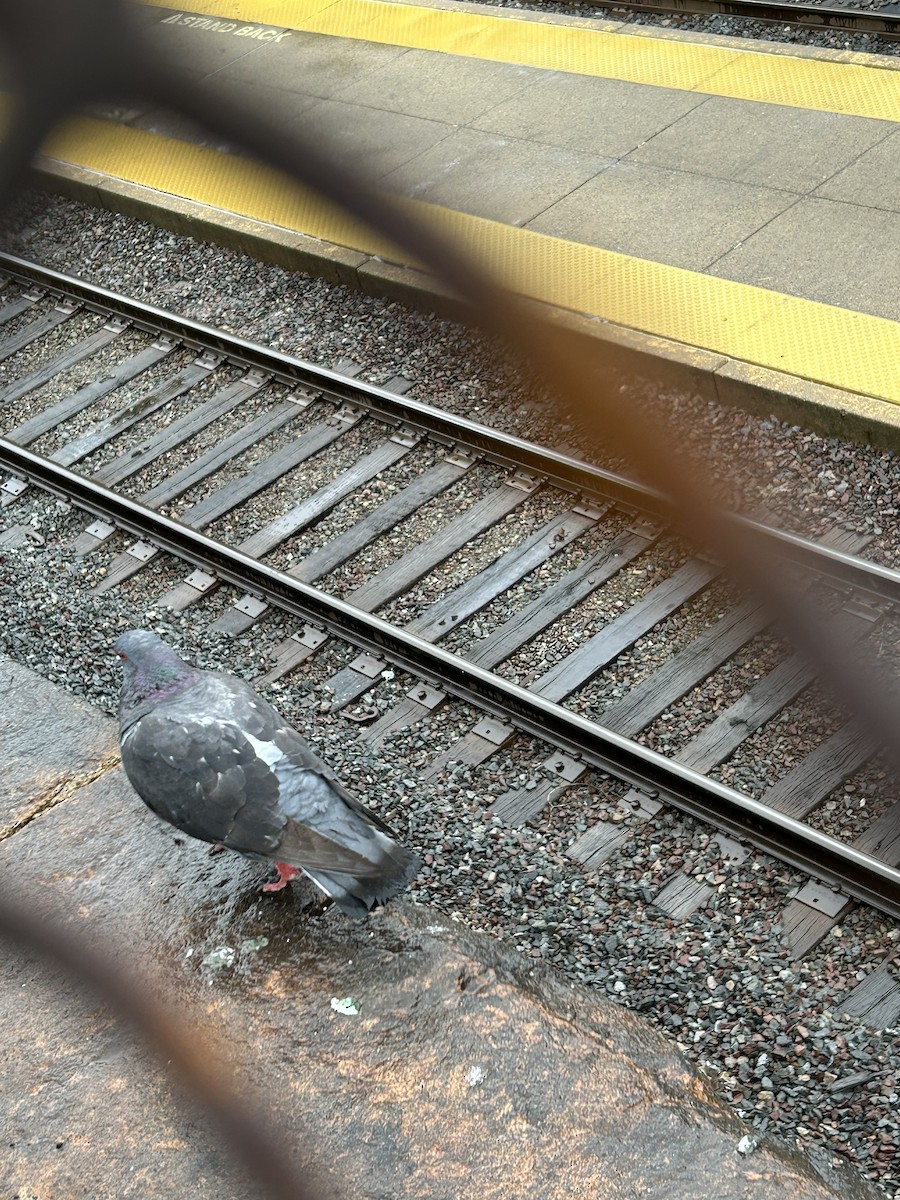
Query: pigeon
{"x": 209, "y": 755}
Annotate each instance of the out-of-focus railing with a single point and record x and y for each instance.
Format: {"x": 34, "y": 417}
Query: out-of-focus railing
{"x": 64, "y": 55}
{"x": 253, "y": 1137}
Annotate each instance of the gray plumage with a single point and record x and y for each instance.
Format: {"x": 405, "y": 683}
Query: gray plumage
{"x": 209, "y": 755}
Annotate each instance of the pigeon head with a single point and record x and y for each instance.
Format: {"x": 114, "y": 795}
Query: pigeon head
{"x": 152, "y": 671}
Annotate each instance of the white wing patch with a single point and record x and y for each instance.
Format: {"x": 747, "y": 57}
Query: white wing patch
{"x": 267, "y": 751}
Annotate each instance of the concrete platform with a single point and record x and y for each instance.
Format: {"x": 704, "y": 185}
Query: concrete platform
{"x": 467, "y": 1069}
{"x": 718, "y": 211}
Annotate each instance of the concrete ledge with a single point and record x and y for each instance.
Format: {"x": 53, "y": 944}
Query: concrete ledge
{"x": 268, "y": 243}
{"x": 829, "y": 411}
{"x": 626, "y": 353}
{"x": 51, "y": 745}
{"x": 467, "y": 1069}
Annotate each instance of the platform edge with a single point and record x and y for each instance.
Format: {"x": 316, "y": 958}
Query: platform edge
{"x": 733, "y": 383}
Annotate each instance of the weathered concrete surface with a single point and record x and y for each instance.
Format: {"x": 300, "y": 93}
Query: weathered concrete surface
{"x": 49, "y": 742}
{"x": 467, "y": 1071}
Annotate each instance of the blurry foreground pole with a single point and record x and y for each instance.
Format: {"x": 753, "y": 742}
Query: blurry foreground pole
{"x": 253, "y": 1138}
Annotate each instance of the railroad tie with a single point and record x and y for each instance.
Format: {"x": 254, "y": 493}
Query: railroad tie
{"x": 123, "y": 372}
{"x": 508, "y": 638}
{"x": 16, "y": 307}
{"x": 463, "y": 602}
{"x": 241, "y": 614}
{"x": 675, "y": 678}
{"x": 36, "y": 329}
{"x": 599, "y": 843}
{"x": 338, "y": 550}
{"x": 876, "y": 1000}
{"x": 227, "y": 497}
{"x": 589, "y": 658}
{"x": 350, "y": 683}
{"x": 63, "y": 361}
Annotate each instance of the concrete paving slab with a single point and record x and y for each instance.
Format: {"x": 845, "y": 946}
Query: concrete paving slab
{"x": 792, "y": 149}
{"x": 194, "y": 49}
{"x": 467, "y": 1067}
{"x": 311, "y": 62}
{"x": 50, "y": 743}
{"x": 467, "y": 87}
{"x": 285, "y": 104}
{"x": 140, "y": 15}
{"x": 873, "y": 179}
{"x": 824, "y": 250}
{"x": 287, "y": 107}
{"x": 491, "y": 176}
{"x": 669, "y": 216}
{"x": 598, "y": 116}
{"x": 376, "y": 141}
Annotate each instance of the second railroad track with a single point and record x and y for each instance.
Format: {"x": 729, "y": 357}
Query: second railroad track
{"x": 550, "y": 594}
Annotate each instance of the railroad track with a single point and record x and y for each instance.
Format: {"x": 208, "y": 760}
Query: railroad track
{"x": 531, "y": 590}
{"x": 883, "y": 20}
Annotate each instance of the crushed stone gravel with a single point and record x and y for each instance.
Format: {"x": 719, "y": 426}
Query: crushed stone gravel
{"x": 727, "y": 26}
{"x": 720, "y": 981}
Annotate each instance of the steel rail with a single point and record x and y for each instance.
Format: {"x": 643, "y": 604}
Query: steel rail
{"x": 570, "y": 474}
{"x": 875, "y": 882}
{"x": 884, "y": 22}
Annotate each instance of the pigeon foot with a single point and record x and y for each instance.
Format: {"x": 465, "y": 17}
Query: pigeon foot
{"x": 285, "y": 875}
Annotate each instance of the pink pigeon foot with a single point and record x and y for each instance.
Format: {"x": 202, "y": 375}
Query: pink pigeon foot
{"x": 285, "y": 875}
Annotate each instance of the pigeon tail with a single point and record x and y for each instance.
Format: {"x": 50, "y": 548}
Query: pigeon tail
{"x": 358, "y": 896}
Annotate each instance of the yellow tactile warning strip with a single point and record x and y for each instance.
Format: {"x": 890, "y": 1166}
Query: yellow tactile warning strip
{"x": 222, "y": 181}
{"x": 799, "y": 82}
{"x": 818, "y": 342}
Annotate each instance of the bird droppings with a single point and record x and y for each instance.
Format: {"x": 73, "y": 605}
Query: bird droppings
{"x": 221, "y": 957}
{"x": 347, "y": 1007}
{"x": 747, "y": 1145}
{"x": 250, "y": 945}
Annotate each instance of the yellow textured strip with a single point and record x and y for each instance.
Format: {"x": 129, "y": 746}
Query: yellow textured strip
{"x": 807, "y": 83}
{"x": 844, "y": 87}
{"x": 801, "y": 337}
{"x": 222, "y": 181}
{"x": 814, "y": 341}
{"x": 555, "y": 47}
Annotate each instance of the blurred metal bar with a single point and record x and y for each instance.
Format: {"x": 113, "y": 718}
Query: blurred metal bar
{"x": 255, "y": 1139}
{"x": 63, "y": 55}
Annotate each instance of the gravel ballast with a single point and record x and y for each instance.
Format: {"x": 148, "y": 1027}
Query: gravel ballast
{"x": 721, "y": 981}
{"x": 722, "y": 25}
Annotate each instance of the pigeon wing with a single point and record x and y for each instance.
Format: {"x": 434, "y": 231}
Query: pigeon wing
{"x": 327, "y": 828}
{"x": 209, "y": 780}
{"x": 205, "y": 778}
{"x": 290, "y": 755}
